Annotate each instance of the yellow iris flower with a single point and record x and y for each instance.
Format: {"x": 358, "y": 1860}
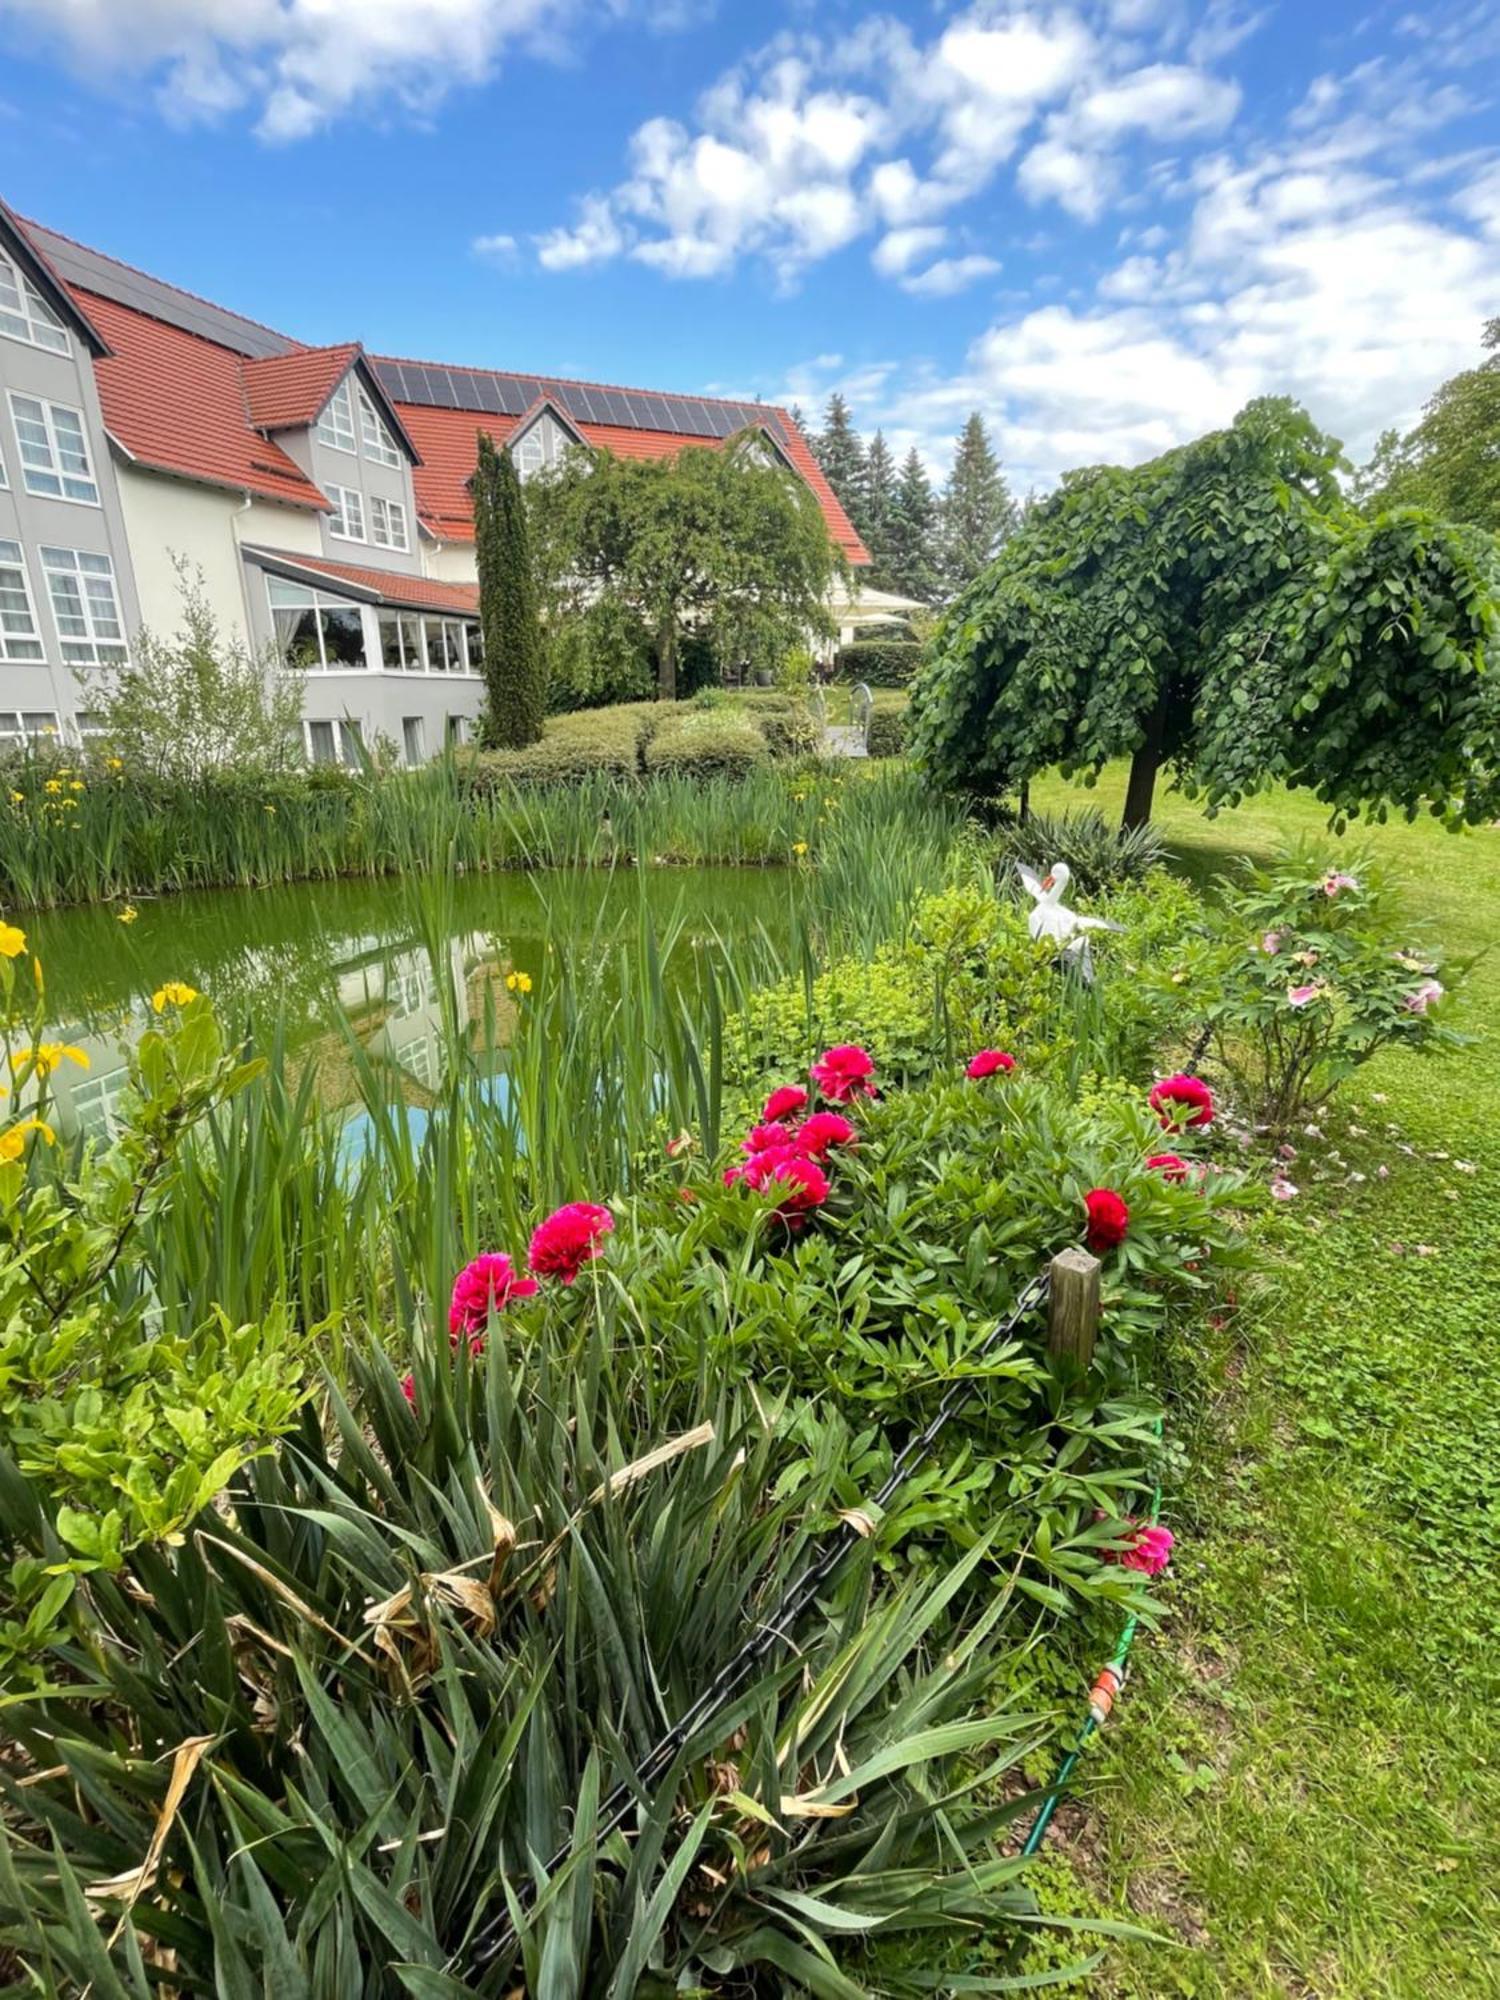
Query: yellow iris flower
{"x": 799, "y": 847}
{"x": 518, "y": 982}
{"x": 13, "y": 1142}
{"x": 12, "y": 941}
{"x": 173, "y": 994}
{"x": 48, "y": 1056}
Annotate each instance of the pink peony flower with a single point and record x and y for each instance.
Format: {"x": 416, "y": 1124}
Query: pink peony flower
{"x": 570, "y": 1238}
{"x": 756, "y": 1170}
{"x": 761, "y": 1138}
{"x": 1108, "y": 1220}
{"x": 1150, "y": 1552}
{"x": 490, "y": 1280}
{"x": 1282, "y": 1189}
{"x": 1302, "y": 996}
{"x": 1418, "y": 1001}
{"x": 1181, "y": 1100}
{"x": 1270, "y": 942}
{"x": 409, "y": 1390}
{"x": 844, "y": 1072}
{"x": 987, "y": 1062}
{"x": 1169, "y": 1166}
{"x": 782, "y": 1102}
{"x": 1334, "y": 882}
{"x": 803, "y": 1186}
{"x": 825, "y": 1129}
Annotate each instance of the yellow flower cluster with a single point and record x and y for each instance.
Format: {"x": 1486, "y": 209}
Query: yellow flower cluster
{"x": 173, "y": 994}
{"x": 518, "y": 982}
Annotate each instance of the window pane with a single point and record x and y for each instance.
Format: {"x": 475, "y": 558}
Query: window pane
{"x": 390, "y": 640}
{"x": 413, "y": 739}
{"x": 343, "y": 635}
{"x": 43, "y": 724}
{"x": 411, "y": 642}
{"x": 320, "y": 746}
{"x": 351, "y": 743}
{"x": 336, "y": 425}
{"x": 437, "y": 659}
{"x": 25, "y": 314}
{"x": 297, "y": 638}
{"x": 18, "y": 633}
{"x": 81, "y": 586}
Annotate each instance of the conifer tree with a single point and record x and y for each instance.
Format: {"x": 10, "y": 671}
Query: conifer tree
{"x": 874, "y": 525}
{"x": 978, "y": 512}
{"x": 913, "y": 566}
{"x": 515, "y": 675}
{"x": 840, "y": 451}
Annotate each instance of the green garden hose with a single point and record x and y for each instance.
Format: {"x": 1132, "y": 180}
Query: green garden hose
{"x": 1102, "y": 1695}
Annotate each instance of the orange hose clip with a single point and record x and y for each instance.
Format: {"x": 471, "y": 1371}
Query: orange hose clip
{"x": 1102, "y": 1695}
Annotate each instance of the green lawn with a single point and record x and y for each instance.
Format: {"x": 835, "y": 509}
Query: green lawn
{"x": 1302, "y": 1787}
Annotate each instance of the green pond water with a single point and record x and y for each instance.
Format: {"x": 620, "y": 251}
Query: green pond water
{"x": 324, "y": 960}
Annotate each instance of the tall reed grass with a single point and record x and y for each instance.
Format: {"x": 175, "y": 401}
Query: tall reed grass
{"x": 112, "y": 839}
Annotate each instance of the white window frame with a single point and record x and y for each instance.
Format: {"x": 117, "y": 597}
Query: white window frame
{"x": 469, "y": 630}
{"x": 98, "y": 649}
{"x": 335, "y": 425}
{"x": 29, "y": 319}
{"x": 4, "y": 481}
{"x": 318, "y": 601}
{"x": 413, "y": 726}
{"x": 53, "y": 469}
{"x": 375, "y": 440}
{"x": 346, "y": 523}
{"x": 312, "y": 722}
{"x": 385, "y": 517}
{"x": 16, "y": 726}
{"x": 8, "y": 639}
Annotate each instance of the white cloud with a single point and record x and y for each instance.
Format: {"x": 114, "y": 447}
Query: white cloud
{"x": 899, "y": 249}
{"x": 949, "y": 275}
{"x": 296, "y": 65}
{"x": 595, "y": 237}
{"x": 501, "y": 249}
{"x": 815, "y": 141}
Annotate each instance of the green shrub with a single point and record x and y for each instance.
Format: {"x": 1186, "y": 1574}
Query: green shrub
{"x": 706, "y": 743}
{"x": 784, "y": 719}
{"x": 1100, "y": 854}
{"x": 888, "y": 663}
{"x": 598, "y": 658}
{"x": 888, "y": 731}
{"x": 589, "y": 742}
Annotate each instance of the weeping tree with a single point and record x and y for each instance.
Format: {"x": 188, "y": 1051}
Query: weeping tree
{"x": 1224, "y": 612}
{"x": 515, "y": 675}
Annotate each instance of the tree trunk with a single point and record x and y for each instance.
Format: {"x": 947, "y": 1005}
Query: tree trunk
{"x": 666, "y": 664}
{"x": 1144, "y": 766}
{"x": 1024, "y": 811}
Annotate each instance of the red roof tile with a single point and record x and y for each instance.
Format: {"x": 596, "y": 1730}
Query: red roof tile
{"x": 177, "y": 403}
{"x": 287, "y": 391}
{"x": 422, "y": 593}
{"x": 446, "y": 440}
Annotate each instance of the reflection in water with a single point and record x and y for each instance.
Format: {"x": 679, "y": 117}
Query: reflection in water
{"x": 378, "y": 972}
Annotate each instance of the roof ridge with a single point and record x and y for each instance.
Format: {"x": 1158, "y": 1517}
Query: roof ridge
{"x": 582, "y": 382}
{"x": 299, "y": 353}
{"x": 198, "y": 298}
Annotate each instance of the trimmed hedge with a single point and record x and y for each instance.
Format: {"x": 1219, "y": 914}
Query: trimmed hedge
{"x": 888, "y": 731}
{"x": 577, "y": 745}
{"x": 887, "y": 663}
{"x": 705, "y": 743}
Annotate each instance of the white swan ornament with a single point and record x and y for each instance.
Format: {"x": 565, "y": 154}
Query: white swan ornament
{"x": 1049, "y": 917}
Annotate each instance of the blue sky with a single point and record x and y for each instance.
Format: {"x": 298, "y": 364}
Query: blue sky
{"x": 1105, "y": 224}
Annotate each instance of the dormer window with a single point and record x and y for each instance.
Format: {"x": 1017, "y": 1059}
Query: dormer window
{"x": 541, "y": 445}
{"x": 373, "y": 435}
{"x": 336, "y": 425}
{"x": 25, "y": 314}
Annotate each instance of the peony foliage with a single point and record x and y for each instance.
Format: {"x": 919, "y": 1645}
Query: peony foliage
{"x": 1224, "y": 612}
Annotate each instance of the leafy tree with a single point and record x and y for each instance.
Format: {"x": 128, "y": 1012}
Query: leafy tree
{"x": 913, "y": 563}
{"x": 840, "y": 451}
{"x": 196, "y": 702}
{"x": 1451, "y": 461}
{"x": 515, "y": 674}
{"x": 977, "y": 510}
{"x": 723, "y": 545}
{"x": 1226, "y": 611}
{"x": 874, "y": 524}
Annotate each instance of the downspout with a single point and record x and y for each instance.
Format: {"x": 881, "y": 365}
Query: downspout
{"x": 247, "y": 501}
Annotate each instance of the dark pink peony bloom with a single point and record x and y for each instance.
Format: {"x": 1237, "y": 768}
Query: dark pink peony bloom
{"x": 409, "y": 1390}
{"x": 761, "y": 1138}
{"x": 570, "y": 1238}
{"x": 1180, "y": 1101}
{"x": 844, "y": 1072}
{"x": 802, "y": 1184}
{"x": 756, "y": 1170}
{"x": 1169, "y": 1166}
{"x": 782, "y": 1102}
{"x": 490, "y": 1279}
{"x": 1108, "y": 1220}
{"x": 824, "y": 1130}
{"x": 1150, "y": 1552}
{"x": 987, "y": 1062}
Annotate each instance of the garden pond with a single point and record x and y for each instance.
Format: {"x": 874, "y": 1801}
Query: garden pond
{"x": 391, "y": 967}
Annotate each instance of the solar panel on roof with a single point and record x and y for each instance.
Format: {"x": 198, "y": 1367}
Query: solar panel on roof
{"x": 581, "y": 406}
{"x": 95, "y": 273}
{"x": 695, "y": 418}
{"x": 487, "y": 394}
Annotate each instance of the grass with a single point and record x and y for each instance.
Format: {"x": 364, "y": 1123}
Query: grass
{"x": 1301, "y": 1789}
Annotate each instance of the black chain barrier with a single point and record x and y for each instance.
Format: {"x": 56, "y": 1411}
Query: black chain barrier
{"x": 497, "y": 1936}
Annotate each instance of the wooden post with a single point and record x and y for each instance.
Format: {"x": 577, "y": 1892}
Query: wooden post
{"x": 1073, "y": 1308}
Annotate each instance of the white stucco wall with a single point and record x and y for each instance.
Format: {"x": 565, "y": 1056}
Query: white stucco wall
{"x": 166, "y": 518}
{"x": 450, "y": 562}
